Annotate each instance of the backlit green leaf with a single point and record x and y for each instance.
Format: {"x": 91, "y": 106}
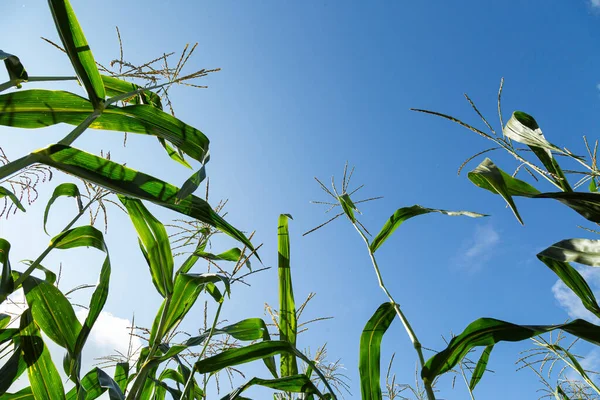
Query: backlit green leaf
{"x": 64, "y": 189}
{"x": 481, "y": 366}
{"x": 287, "y": 307}
{"x": 7, "y": 284}
{"x": 7, "y": 193}
{"x": 23, "y": 394}
{"x": 14, "y": 67}
{"x": 290, "y": 384}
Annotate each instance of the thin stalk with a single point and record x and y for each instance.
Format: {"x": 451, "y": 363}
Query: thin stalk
{"x": 583, "y": 375}
{"x": 409, "y": 330}
{"x": 464, "y": 376}
{"x": 79, "y": 129}
{"x": 210, "y": 334}
{"x": 12, "y": 83}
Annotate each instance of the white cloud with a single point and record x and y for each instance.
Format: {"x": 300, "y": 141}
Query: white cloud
{"x": 570, "y": 302}
{"x": 595, "y": 3}
{"x": 110, "y": 334}
{"x": 14, "y": 306}
{"x": 479, "y": 249}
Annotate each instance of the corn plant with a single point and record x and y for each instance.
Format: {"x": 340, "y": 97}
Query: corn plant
{"x": 113, "y": 103}
{"x": 523, "y": 129}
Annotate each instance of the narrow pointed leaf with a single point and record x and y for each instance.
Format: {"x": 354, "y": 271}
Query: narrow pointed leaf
{"x": 287, "y": 307}
{"x": 64, "y": 189}
{"x": 523, "y": 128}
{"x": 247, "y": 330}
{"x": 96, "y": 382}
{"x": 12, "y": 369}
{"x": 294, "y": 384}
{"x": 7, "y": 193}
{"x": 585, "y": 204}
{"x": 155, "y": 244}
{"x": 481, "y": 366}
{"x": 116, "y": 87}
{"x": 78, "y": 50}
{"x": 369, "y": 363}
{"x": 489, "y": 331}
{"x": 173, "y": 154}
{"x": 7, "y": 284}
{"x": 121, "y": 375}
{"x": 242, "y": 355}
{"x": 23, "y": 394}
{"x": 190, "y": 185}
{"x": 4, "y": 320}
{"x": 37, "y": 108}
{"x": 348, "y": 206}
{"x": 229, "y": 255}
{"x": 46, "y": 383}
{"x": 405, "y": 213}
{"x": 14, "y": 67}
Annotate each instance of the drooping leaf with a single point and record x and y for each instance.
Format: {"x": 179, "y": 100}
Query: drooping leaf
{"x": 122, "y": 374}
{"x": 7, "y": 284}
{"x": 586, "y": 204}
{"x": 125, "y": 181}
{"x": 247, "y": 330}
{"x": 64, "y": 189}
{"x": 14, "y": 67}
{"x": 186, "y": 290}
{"x": 523, "y": 128}
{"x": 192, "y": 183}
{"x": 44, "y": 379}
{"x": 242, "y": 355}
{"x": 287, "y": 307}
{"x": 4, "y": 192}
{"x": 348, "y": 206}
{"x": 583, "y": 251}
{"x": 294, "y": 384}
{"x": 174, "y": 154}
{"x": 78, "y": 50}
{"x": 12, "y": 369}
{"x": 405, "y": 213}
{"x": 489, "y": 331}
{"x": 37, "y": 108}
{"x": 481, "y": 367}
{"x": 369, "y": 363}
{"x": 96, "y": 382}
{"x": 488, "y": 176}
{"x": 154, "y": 242}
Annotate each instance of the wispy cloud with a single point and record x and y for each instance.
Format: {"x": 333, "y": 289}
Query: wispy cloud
{"x": 479, "y": 249}
{"x": 595, "y": 3}
{"x": 570, "y": 302}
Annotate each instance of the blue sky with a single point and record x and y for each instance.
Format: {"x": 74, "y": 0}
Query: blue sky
{"x": 307, "y": 86}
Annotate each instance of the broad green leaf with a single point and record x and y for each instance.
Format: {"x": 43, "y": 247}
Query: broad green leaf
{"x": 481, "y": 366}
{"x": 192, "y": 183}
{"x": 12, "y": 369}
{"x": 78, "y": 50}
{"x": 489, "y": 331}
{"x": 7, "y": 193}
{"x": 37, "y": 108}
{"x": 116, "y": 87}
{"x": 44, "y": 379}
{"x": 88, "y": 236}
{"x": 287, "y": 308}
{"x": 294, "y": 384}
{"x": 247, "y": 330}
{"x": 126, "y": 181}
{"x": 570, "y": 277}
{"x": 121, "y": 375}
{"x": 4, "y": 320}
{"x": 523, "y": 128}
{"x": 229, "y": 255}
{"x": 14, "y": 67}
{"x": 242, "y": 355}
{"x": 52, "y": 312}
{"x": 23, "y": 394}
{"x": 186, "y": 290}
{"x": 347, "y": 206}
{"x": 370, "y": 351}
{"x": 9, "y": 333}
{"x": 488, "y": 176}
{"x": 64, "y": 189}
{"x": 405, "y": 213}
{"x": 586, "y": 204}
{"x": 174, "y": 154}
{"x": 154, "y": 243}
{"x": 583, "y": 251}
{"x": 7, "y": 284}
{"x": 96, "y": 382}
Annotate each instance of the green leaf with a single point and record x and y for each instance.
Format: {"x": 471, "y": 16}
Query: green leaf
{"x": 88, "y": 236}
{"x": 121, "y": 375}
{"x": 39, "y": 108}
{"x": 128, "y": 182}
{"x": 405, "y": 213}
{"x": 489, "y": 331}
{"x": 370, "y": 351}
{"x": 7, "y": 284}
{"x": 6, "y": 335}
{"x": 294, "y": 384}
{"x": 247, "y": 330}
{"x": 23, "y": 394}
{"x": 116, "y": 87}
{"x": 488, "y": 176}
{"x": 593, "y": 188}
{"x": 154, "y": 243}
{"x": 583, "y": 251}
{"x": 481, "y": 366}
{"x": 78, "y": 50}
{"x": 16, "y": 70}
{"x": 233, "y": 255}
{"x": 12, "y": 369}
{"x": 64, "y": 189}
{"x": 242, "y": 355}
{"x": 186, "y": 290}
{"x": 190, "y": 185}
{"x": 174, "y": 154}
{"x": 7, "y": 193}
{"x": 96, "y": 382}
{"x": 52, "y": 312}
{"x": 287, "y": 307}
{"x": 523, "y": 128}
{"x": 348, "y": 206}
{"x": 44, "y": 379}
{"x": 4, "y": 320}
{"x": 586, "y": 204}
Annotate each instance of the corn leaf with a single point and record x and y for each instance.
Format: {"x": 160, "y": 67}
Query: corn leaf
{"x": 481, "y": 366}
{"x": 64, "y": 189}
{"x": 39, "y": 108}
{"x": 586, "y": 204}
{"x": 14, "y": 67}
{"x": 583, "y": 251}
{"x": 192, "y": 183}
{"x": 121, "y": 375}
{"x": 489, "y": 331}
{"x": 370, "y": 351}
{"x": 125, "y": 181}
{"x": 4, "y": 320}
{"x": 4, "y": 192}
{"x": 294, "y": 384}
{"x": 405, "y": 213}
{"x": 348, "y": 206}
{"x": 154, "y": 243}
{"x": 12, "y": 369}
{"x": 7, "y": 284}
{"x": 78, "y": 50}
{"x": 287, "y": 307}
{"x": 242, "y": 355}
{"x": 44, "y": 379}
{"x": 23, "y": 394}
{"x": 116, "y": 87}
